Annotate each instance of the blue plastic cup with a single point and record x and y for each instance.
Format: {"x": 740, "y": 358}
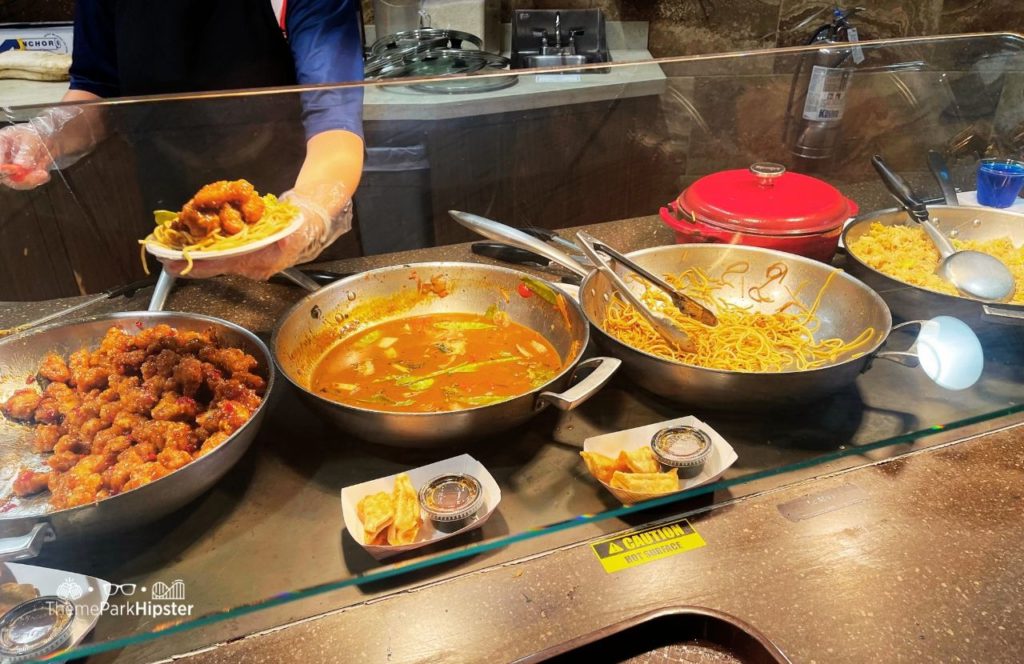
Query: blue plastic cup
{"x": 999, "y": 182}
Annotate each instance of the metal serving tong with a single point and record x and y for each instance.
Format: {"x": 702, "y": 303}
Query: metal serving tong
{"x": 516, "y": 255}
{"x": 662, "y": 325}
{"x": 686, "y": 305}
{"x": 590, "y": 247}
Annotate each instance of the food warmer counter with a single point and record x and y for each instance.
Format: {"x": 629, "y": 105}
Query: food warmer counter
{"x": 267, "y": 545}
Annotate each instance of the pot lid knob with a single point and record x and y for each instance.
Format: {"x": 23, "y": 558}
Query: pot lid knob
{"x": 766, "y": 172}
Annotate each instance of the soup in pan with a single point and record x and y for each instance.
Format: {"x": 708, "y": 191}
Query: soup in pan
{"x": 436, "y": 362}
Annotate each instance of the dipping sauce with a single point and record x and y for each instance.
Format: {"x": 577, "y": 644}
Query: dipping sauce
{"x": 684, "y": 447}
{"x": 452, "y": 498}
{"x": 437, "y": 362}
{"x": 35, "y": 628}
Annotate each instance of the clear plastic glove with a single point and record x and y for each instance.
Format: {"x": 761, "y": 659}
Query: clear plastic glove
{"x": 326, "y": 213}
{"x": 55, "y": 138}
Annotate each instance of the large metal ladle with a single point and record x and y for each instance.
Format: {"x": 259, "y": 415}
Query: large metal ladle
{"x": 975, "y": 274}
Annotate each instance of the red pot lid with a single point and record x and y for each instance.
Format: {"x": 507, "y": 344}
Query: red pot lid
{"x": 766, "y": 200}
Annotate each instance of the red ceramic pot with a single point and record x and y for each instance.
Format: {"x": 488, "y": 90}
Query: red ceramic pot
{"x": 763, "y": 206}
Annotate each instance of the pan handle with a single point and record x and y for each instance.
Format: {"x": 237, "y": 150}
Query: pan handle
{"x": 940, "y": 169}
{"x": 301, "y": 279}
{"x": 900, "y": 190}
{"x": 946, "y": 349}
{"x": 164, "y": 284}
{"x": 311, "y": 282}
{"x": 604, "y": 367}
{"x": 23, "y": 547}
{"x": 501, "y": 233}
{"x": 992, "y": 314}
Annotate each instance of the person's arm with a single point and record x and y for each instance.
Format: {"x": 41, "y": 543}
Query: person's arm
{"x": 59, "y": 136}
{"x": 326, "y": 44}
{"x": 325, "y": 40}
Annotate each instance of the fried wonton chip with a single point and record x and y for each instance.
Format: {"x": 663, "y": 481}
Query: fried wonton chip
{"x": 376, "y": 512}
{"x": 640, "y": 460}
{"x": 406, "y": 524}
{"x": 601, "y": 466}
{"x": 646, "y": 482}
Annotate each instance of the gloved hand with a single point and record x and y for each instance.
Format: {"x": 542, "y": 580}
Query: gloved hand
{"x": 55, "y": 138}
{"x": 326, "y": 213}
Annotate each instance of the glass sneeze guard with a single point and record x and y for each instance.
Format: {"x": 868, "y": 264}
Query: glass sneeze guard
{"x": 559, "y": 149}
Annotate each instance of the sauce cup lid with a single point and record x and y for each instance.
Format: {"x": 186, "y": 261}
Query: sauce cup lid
{"x": 452, "y": 497}
{"x": 681, "y": 447}
{"x": 36, "y": 627}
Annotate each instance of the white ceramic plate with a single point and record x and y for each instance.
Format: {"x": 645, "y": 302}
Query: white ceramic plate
{"x": 87, "y": 593}
{"x": 351, "y": 495}
{"x": 165, "y": 253}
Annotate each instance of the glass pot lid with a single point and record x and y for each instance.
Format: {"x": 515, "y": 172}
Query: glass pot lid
{"x": 766, "y": 200}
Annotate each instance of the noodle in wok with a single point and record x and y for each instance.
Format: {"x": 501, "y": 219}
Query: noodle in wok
{"x": 744, "y": 340}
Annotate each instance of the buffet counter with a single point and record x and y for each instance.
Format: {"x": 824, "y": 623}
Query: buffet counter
{"x": 278, "y": 509}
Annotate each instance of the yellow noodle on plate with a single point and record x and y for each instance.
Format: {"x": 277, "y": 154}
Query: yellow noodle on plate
{"x": 277, "y": 216}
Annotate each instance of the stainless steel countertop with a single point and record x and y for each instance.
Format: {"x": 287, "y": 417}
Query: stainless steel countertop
{"x": 274, "y": 525}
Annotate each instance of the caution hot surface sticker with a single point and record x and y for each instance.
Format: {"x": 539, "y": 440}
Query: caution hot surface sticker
{"x": 647, "y": 545}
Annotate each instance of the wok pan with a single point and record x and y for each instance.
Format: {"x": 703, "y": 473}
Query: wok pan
{"x": 849, "y": 306}
{"x": 315, "y": 323}
{"x": 964, "y": 223}
{"x": 32, "y": 521}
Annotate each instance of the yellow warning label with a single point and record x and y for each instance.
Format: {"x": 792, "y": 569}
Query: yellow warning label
{"x": 644, "y": 546}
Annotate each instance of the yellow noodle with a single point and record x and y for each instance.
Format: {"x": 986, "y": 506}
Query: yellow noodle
{"x": 277, "y": 215}
{"x": 743, "y": 340}
{"x": 905, "y": 253}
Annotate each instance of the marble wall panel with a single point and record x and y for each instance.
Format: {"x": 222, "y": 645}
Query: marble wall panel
{"x": 704, "y": 26}
{"x": 879, "y": 19}
{"x": 960, "y": 16}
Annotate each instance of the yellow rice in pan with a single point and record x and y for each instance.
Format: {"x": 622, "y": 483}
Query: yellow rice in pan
{"x": 906, "y": 254}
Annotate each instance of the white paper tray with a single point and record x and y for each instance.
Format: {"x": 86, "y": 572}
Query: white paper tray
{"x": 610, "y": 444}
{"x": 351, "y": 495}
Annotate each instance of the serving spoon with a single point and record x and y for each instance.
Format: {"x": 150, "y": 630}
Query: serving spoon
{"x": 973, "y": 273}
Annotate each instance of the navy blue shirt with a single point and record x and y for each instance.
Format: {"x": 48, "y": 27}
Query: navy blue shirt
{"x": 135, "y": 47}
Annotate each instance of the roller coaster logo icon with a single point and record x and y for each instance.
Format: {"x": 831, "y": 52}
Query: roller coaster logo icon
{"x": 173, "y": 592}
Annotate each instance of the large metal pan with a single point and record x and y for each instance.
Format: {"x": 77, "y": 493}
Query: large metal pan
{"x": 848, "y": 307}
{"x": 319, "y": 320}
{"x": 964, "y": 223}
{"x": 25, "y": 527}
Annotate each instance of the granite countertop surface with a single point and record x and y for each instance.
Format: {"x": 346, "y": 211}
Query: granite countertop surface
{"x": 918, "y": 559}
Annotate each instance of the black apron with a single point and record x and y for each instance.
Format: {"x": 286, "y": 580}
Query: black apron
{"x": 182, "y": 46}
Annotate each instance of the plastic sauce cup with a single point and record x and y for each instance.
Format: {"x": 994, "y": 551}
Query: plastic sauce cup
{"x": 999, "y": 182}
